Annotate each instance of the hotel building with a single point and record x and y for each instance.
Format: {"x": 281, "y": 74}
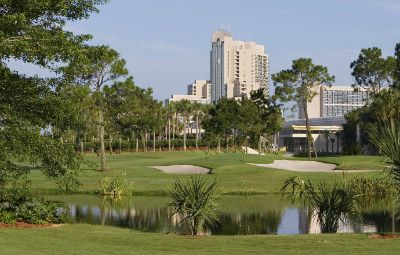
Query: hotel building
{"x": 334, "y": 101}
{"x": 236, "y": 67}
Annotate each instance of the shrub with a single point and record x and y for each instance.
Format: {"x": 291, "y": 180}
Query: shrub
{"x": 331, "y": 204}
{"x": 18, "y": 203}
{"x": 68, "y": 182}
{"x": 387, "y": 138}
{"x": 7, "y": 217}
{"x": 194, "y": 200}
{"x": 43, "y": 211}
{"x": 115, "y": 186}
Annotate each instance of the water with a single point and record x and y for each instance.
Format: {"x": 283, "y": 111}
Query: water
{"x": 266, "y": 214}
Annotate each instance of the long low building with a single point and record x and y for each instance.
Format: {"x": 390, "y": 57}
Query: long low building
{"x": 325, "y": 132}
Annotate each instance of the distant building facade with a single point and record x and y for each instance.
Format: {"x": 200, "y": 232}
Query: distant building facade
{"x": 200, "y": 88}
{"x": 324, "y": 131}
{"x": 236, "y": 67}
{"x": 197, "y": 92}
{"x": 334, "y": 101}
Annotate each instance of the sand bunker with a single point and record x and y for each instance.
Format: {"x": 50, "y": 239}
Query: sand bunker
{"x": 305, "y": 166}
{"x": 183, "y": 169}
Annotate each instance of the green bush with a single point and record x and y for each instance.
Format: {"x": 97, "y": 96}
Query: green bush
{"x": 18, "y": 203}
{"x": 115, "y": 186}
{"x": 8, "y": 217}
{"x": 43, "y": 211}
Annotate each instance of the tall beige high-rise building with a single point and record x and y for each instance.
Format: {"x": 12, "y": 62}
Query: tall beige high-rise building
{"x": 236, "y": 67}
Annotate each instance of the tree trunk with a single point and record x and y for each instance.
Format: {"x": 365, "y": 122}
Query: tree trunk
{"x": 144, "y": 141}
{"x": 310, "y": 143}
{"x": 219, "y": 144}
{"x": 120, "y": 146}
{"x": 226, "y": 144}
{"x": 173, "y": 132}
{"x": 110, "y": 138}
{"x": 137, "y": 144}
{"x": 234, "y": 140}
{"x": 102, "y": 147}
{"x": 154, "y": 140}
{"x": 259, "y": 145}
{"x": 169, "y": 134}
{"x": 197, "y": 132}
{"x": 247, "y": 143}
{"x": 82, "y": 148}
{"x": 84, "y": 141}
{"x": 184, "y": 132}
{"x": 160, "y": 137}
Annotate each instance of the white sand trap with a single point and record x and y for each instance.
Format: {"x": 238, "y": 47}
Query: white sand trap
{"x": 251, "y": 151}
{"x": 182, "y": 169}
{"x": 306, "y": 166}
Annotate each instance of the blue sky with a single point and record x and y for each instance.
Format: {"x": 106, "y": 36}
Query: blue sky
{"x": 166, "y": 42}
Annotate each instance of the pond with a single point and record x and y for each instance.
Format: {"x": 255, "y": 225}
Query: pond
{"x": 239, "y": 215}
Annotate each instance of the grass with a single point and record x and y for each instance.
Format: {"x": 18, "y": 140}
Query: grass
{"x": 88, "y": 239}
{"x": 236, "y": 176}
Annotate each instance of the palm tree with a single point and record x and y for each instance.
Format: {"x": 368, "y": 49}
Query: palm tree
{"x": 197, "y": 110}
{"x": 184, "y": 109}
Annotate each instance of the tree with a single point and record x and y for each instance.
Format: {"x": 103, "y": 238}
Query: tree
{"x": 384, "y": 107}
{"x": 300, "y": 84}
{"x": 184, "y": 108}
{"x": 397, "y": 68}
{"x": 223, "y": 119}
{"x": 33, "y": 32}
{"x": 270, "y": 112}
{"x": 373, "y": 72}
{"x": 249, "y": 119}
{"x": 97, "y": 67}
{"x": 197, "y": 110}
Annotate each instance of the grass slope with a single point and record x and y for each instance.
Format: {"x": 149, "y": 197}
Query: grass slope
{"x": 87, "y": 239}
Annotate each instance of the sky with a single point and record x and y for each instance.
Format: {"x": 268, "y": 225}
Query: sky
{"x": 166, "y": 43}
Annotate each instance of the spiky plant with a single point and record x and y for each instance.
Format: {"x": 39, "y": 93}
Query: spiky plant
{"x": 331, "y": 203}
{"x": 386, "y": 137}
{"x": 194, "y": 200}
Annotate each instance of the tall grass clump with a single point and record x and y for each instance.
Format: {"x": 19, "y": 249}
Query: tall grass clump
{"x": 386, "y": 137}
{"x": 193, "y": 200}
{"x": 115, "y": 186}
{"x": 330, "y": 203}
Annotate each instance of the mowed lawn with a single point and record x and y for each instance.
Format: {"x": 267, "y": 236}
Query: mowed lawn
{"x": 88, "y": 239}
{"x": 236, "y": 176}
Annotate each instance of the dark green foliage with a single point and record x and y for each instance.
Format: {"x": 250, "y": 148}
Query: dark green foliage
{"x": 374, "y": 191}
{"x": 387, "y": 138}
{"x": 193, "y": 200}
{"x": 300, "y": 84}
{"x": 385, "y": 106}
{"x": 373, "y": 72}
{"x": 18, "y": 203}
{"x": 330, "y": 203}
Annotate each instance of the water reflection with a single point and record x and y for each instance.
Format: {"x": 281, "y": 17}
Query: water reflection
{"x": 238, "y": 216}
